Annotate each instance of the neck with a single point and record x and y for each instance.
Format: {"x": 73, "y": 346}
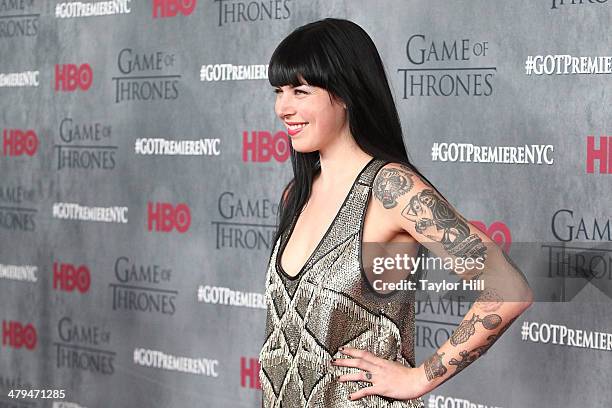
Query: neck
{"x": 340, "y": 162}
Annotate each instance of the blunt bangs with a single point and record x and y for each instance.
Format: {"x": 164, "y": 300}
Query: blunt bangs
{"x": 302, "y": 54}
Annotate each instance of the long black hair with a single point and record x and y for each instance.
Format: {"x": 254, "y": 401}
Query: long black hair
{"x": 340, "y": 57}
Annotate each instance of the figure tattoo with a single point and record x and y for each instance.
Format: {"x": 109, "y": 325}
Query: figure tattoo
{"x": 390, "y": 184}
{"x": 467, "y": 327}
{"x": 434, "y": 367}
{"x": 427, "y": 210}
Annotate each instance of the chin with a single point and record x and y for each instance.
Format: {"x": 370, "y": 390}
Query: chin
{"x": 303, "y": 149}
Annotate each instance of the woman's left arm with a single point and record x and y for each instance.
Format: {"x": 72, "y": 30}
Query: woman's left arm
{"x": 418, "y": 209}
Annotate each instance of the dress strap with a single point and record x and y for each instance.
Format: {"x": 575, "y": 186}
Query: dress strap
{"x": 367, "y": 176}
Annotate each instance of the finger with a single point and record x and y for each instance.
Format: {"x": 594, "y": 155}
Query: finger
{"x": 355, "y": 362}
{"x": 360, "y": 376}
{"x": 359, "y": 353}
{"x": 373, "y": 390}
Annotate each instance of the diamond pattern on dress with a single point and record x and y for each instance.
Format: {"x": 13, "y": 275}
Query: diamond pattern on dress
{"x": 328, "y": 306}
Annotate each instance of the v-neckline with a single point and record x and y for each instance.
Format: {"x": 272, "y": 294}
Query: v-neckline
{"x": 284, "y": 242}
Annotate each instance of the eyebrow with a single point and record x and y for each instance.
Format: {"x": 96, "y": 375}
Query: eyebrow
{"x": 291, "y": 86}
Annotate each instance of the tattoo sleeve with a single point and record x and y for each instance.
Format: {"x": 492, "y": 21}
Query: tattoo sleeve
{"x": 434, "y": 366}
{"x": 430, "y": 214}
{"x": 468, "y": 357}
{"x": 505, "y": 294}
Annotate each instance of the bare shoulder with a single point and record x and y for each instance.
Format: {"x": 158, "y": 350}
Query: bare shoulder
{"x": 394, "y": 180}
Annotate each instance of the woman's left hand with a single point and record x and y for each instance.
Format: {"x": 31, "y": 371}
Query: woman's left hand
{"x": 389, "y": 378}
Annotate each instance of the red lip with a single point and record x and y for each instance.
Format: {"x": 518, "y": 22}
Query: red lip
{"x": 292, "y": 132}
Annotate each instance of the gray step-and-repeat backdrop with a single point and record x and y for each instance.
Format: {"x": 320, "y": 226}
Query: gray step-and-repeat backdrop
{"x": 141, "y": 166}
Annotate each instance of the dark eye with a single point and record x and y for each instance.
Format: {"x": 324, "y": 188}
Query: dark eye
{"x": 300, "y": 91}
{"x": 276, "y": 90}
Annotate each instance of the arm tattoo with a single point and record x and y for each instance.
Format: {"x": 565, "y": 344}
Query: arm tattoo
{"x": 489, "y": 300}
{"x": 426, "y": 209}
{"x": 434, "y": 367}
{"x": 467, "y": 327}
{"x": 390, "y": 184}
{"x": 468, "y": 357}
{"x": 476, "y": 277}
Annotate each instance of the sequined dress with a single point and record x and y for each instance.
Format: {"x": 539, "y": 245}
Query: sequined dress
{"x": 330, "y": 304}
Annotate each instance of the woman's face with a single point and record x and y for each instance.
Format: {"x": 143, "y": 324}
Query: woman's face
{"x": 311, "y": 117}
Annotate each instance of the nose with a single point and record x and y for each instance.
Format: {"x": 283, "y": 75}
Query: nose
{"x": 284, "y": 105}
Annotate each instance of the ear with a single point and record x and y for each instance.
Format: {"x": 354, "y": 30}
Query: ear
{"x": 338, "y": 100}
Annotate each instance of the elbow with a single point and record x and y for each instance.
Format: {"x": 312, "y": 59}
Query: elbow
{"x": 527, "y": 299}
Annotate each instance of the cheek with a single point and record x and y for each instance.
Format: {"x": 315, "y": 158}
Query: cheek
{"x": 328, "y": 119}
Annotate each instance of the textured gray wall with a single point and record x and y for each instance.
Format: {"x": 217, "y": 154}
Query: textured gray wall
{"x": 222, "y": 203}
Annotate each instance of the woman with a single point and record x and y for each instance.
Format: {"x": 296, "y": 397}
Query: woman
{"x": 332, "y": 338}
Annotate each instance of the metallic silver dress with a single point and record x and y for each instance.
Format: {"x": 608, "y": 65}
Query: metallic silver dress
{"x": 330, "y": 304}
